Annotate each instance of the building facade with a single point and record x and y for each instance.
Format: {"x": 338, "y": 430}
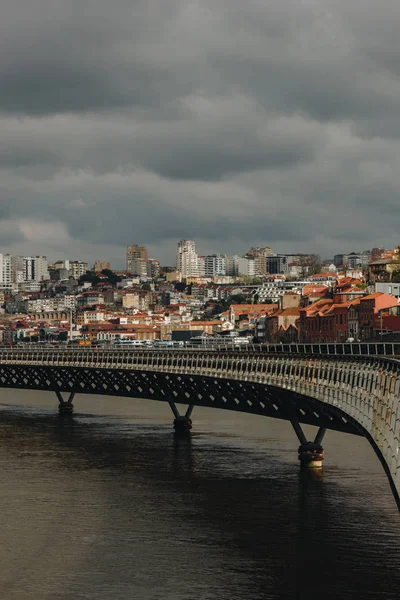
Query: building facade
{"x": 187, "y": 261}
{"x": 134, "y": 252}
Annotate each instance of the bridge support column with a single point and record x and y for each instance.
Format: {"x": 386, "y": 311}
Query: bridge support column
{"x": 65, "y": 407}
{"x": 311, "y": 454}
{"x": 182, "y": 423}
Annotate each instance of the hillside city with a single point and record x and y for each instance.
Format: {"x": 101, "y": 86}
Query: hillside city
{"x": 263, "y": 297}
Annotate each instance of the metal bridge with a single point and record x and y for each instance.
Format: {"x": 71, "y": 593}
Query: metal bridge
{"x": 328, "y": 386}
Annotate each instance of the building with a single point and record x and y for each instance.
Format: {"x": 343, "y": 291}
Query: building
{"x": 35, "y": 268}
{"x": 231, "y": 265}
{"x": 153, "y": 268}
{"x": 357, "y": 259}
{"x": 78, "y": 268}
{"x": 101, "y": 265}
{"x": 246, "y": 266}
{"x": 370, "y": 307}
{"x": 135, "y": 252}
{"x": 260, "y": 256}
{"x": 6, "y": 272}
{"x": 214, "y": 265}
{"x": 389, "y": 288}
{"x": 277, "y": 264}
{"x": 382, "y": 270}
{"x": 138, "y": 266}
{"x": 187, "y": 261}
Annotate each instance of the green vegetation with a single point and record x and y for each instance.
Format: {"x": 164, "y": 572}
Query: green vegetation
{"x": 107, "y": 276}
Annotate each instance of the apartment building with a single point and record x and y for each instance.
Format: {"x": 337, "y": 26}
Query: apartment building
{"x": 187, "y": 260}
{"x": 135, "y": 252}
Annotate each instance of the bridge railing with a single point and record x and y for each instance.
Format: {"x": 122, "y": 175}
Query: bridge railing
{"x": 349, "y": 349}
{"x": 339, "y": 349}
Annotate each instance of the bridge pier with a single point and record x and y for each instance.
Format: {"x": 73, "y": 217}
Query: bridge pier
{"x": 65, "y": 407}
{"x": 182, "y": 423}
{"x": 311, "y": 454}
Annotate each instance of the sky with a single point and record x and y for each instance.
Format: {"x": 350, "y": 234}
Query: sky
{"x": 265, "y": 122}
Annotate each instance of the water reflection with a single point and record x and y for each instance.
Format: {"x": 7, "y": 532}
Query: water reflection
{"x": 101, "y": 507}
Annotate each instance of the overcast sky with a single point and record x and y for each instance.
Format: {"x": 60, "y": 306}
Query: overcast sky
{"x": 264, "y": 122}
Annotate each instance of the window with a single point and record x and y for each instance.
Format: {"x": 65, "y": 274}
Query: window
{"x": 341, "y": 320}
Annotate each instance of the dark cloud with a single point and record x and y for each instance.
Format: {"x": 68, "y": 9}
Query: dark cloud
{"x": 232, "y": 123}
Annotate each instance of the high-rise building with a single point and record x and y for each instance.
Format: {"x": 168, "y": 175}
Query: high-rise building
{"x": 246, "y": 266}
{"x": 133, "y": 252}
{"x": 35, "y": 268}
{"x": 277, "y": 264}
{"x": 231, "y": 265}
{"x": 153, "y": 268}
{"x": 6, "y": 274}
{"x": 187, "y": 261}
{"x": 214, "y": 265}
{"x": 260, "y": 256}
{"x": 138, "y": 267}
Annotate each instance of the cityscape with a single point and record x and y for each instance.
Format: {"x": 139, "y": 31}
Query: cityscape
{"x": 199, "y": 300}
{"x": 261, "y": 297}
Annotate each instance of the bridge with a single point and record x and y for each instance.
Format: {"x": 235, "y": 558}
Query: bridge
{"x": 328, "y": 386}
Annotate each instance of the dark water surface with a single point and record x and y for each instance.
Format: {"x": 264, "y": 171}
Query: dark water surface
{"x": 109, "y": 505}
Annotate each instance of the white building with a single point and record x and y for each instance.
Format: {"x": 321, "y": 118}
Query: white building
{"x": 34, "y": 268}
{"x": 78, "y": 268}
{"x": 214, "y": 265}
{"x": 246, "y": 266}
{"x": 231, "y": 265}
{"x": 138, "y": 266}
{"x": 6, "y": 278}
{"x": 393, "y": 289}
{"x": 187, "y": 261}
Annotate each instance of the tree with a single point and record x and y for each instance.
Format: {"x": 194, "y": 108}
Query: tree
{"x": 112, "y": 277}
{"x": 315, "y": 264}
{"x": 396, "y": 276}
{"x": 89, "y": 277}
{"x": 238, "y": 299}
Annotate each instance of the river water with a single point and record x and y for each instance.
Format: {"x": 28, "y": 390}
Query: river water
{"x": 108, "y": 505}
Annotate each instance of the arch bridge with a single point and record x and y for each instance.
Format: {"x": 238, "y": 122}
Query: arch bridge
{"x": 328, "y": 386}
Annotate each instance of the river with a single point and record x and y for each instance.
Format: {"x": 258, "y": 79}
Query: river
{"x": 109, "y": 505}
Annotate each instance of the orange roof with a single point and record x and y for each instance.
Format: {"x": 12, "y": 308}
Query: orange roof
{"x": 373, "y": 296}
{"x": 317, "y": 306}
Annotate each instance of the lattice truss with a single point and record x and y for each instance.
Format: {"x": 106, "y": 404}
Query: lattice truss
{"x": 235, "y": 395}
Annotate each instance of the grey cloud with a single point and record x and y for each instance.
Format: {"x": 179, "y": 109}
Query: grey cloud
{"x": 229, "y": 122}
{"x": 10, "y": 233}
